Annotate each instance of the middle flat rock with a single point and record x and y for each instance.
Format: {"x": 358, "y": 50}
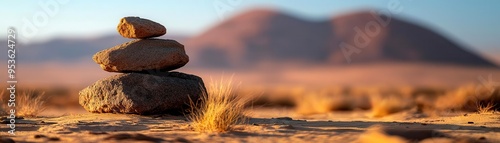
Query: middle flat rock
{"x": 143, "y": 55}
{"x": 138, "y": 93}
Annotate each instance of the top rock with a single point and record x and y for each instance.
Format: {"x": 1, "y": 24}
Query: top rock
{"x": 140, "y": 28}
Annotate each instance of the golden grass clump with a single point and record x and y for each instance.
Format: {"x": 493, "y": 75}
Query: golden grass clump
{"x": 486, "y": 101}
{"x": 323, "y": 102}
{"x": 455, "y": 99}
{"x": 218, "y": 110}
{"x": 383, "y": 106}
{"x": 485, "y": 108}
{"x": 27, "y": 104}
{"x": 470, "y": 98}
{"x": 4, "y": 108}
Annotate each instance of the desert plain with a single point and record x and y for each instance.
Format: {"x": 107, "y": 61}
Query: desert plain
{"x": 294, "y": 112}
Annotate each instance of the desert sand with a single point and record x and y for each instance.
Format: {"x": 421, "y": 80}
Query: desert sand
{"x": 262, "y": 125}
{"x": 283, "y": 123}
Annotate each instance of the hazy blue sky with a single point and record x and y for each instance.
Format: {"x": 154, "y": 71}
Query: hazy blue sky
{"x": 474, "y": 24}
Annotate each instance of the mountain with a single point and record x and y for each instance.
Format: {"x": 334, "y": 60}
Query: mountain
{"x": 268, "y": 36}
{"x": 264, "y": 36}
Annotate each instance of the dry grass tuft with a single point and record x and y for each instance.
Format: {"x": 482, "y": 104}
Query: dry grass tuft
{"x": 323, "y": 102}
{"x": 383, "y": 106}
{"x": 485, "y": 108}
{"x": 218, "y": 110}
{"x": 486, "y": 100}
{"x": 454, "y": 99}
{"x": 3, "y": 104}
{"x": 27, "y": 104}
{"x": 30, "y": 104}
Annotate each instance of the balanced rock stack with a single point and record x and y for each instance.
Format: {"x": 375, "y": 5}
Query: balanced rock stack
{"x": 146, "y": 85}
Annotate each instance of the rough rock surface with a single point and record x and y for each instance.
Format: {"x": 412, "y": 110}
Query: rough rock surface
{"x": 143, "y": 55}
{"x": 137, "y": 93}
{"x": 136, "y": 27}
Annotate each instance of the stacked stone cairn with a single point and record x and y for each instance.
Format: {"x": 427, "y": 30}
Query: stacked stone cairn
{"x": 146, "y": 84}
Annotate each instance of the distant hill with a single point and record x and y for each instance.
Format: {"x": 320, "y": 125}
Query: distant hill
{"x": 271, "y": 37}
{"x": 268, "y": 36}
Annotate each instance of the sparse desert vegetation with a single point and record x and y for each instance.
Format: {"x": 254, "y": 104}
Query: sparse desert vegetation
{"x": 486, "y": 108}
{"x": 31, "y": 103}
{"x": 299, "y": 113}
{"x": 219, "y": 108}
{"x": 28, "y": 103}
{"x": 383, "y": 101}
{"x": 383, "y": 106}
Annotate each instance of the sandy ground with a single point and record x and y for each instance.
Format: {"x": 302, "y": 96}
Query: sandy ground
{"x": 264, "y": 125}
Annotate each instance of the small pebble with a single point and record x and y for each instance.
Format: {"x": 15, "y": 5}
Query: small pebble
{"x": 39, "y": 136}
{"x": 54, "y": 139}
{"x": 97, "y": 133}
{"x": 470, "y": 122}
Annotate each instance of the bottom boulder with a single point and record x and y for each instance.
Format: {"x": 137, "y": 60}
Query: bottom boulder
{"x": 138, "y": 93}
